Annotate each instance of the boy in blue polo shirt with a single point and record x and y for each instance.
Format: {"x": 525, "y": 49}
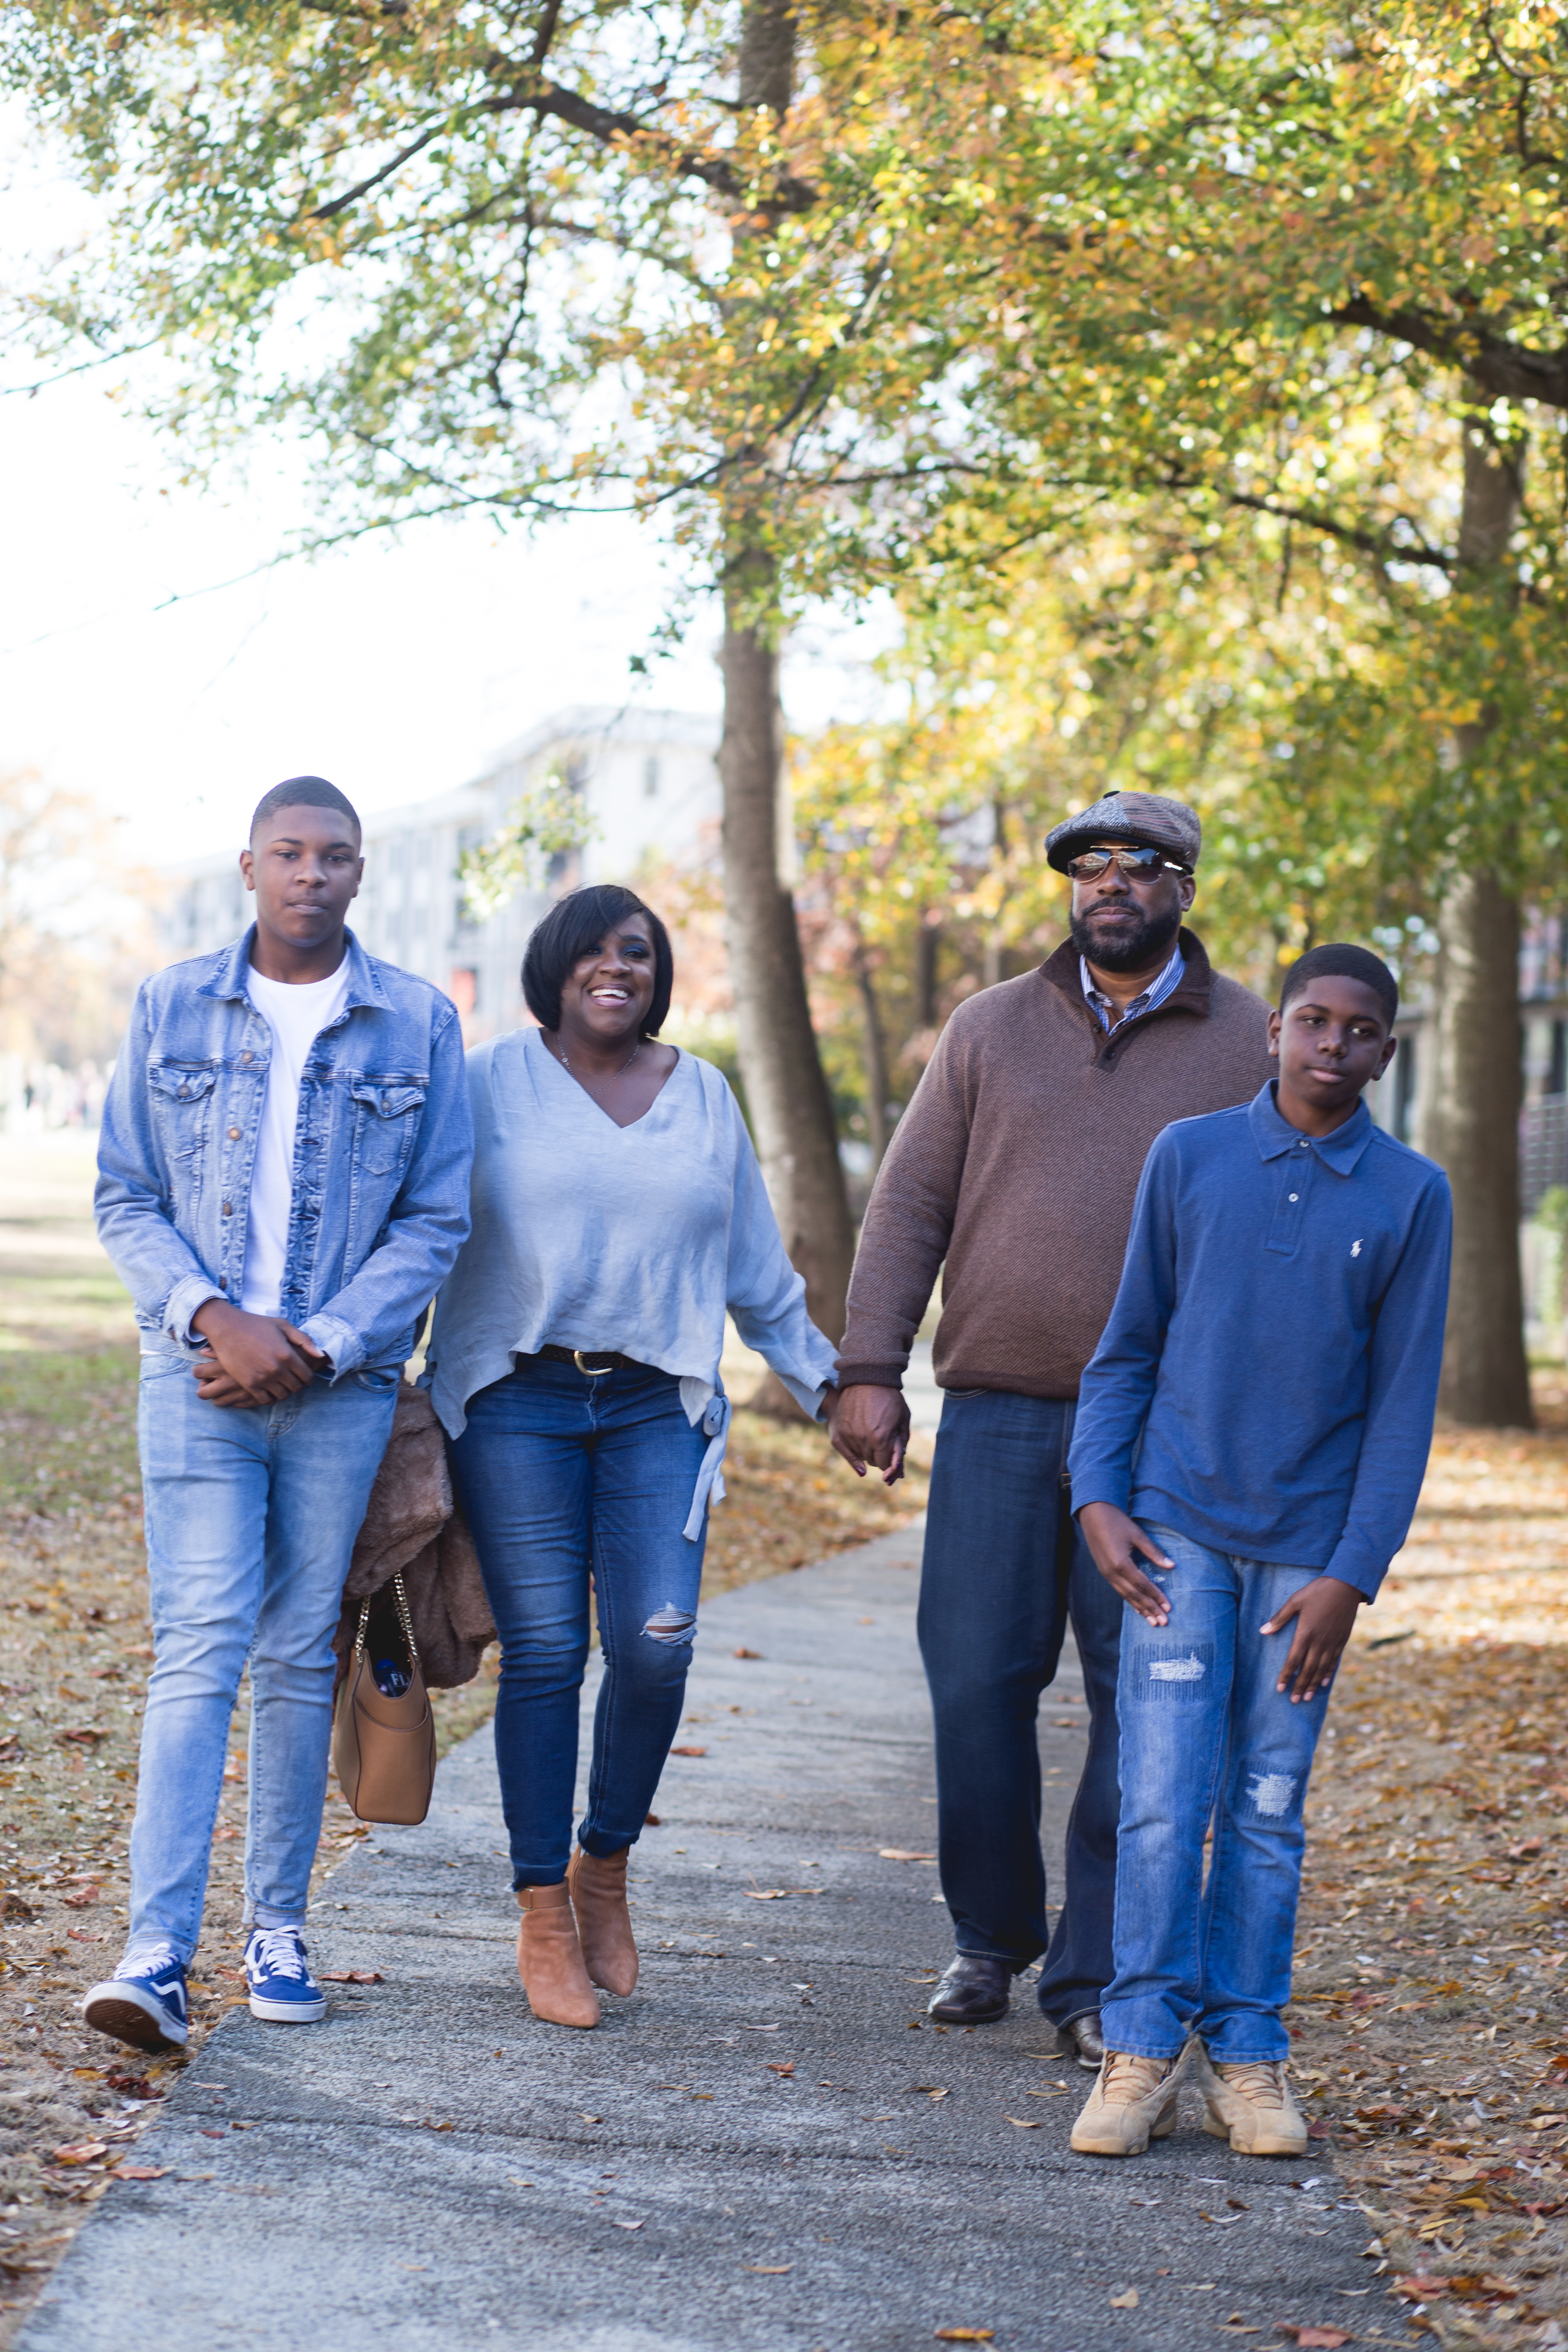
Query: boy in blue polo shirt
{"x": 1251, "y": 1437}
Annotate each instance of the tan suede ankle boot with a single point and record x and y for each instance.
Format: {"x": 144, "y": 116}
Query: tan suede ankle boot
{"x": 550, "y": 1958}
{"x": 598, "y": 1886}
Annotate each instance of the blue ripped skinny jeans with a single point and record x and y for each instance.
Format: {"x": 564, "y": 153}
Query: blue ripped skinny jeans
{"x": 564, "y": 1478}
{"x": 1206, "y": 1739}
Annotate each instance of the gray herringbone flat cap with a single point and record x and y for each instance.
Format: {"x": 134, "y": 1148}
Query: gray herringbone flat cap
{"x": 1145, "y": 817}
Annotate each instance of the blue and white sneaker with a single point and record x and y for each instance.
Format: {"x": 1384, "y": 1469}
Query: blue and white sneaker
{"x": 144, "y": 2002}
{"x": 282, "y": 1989}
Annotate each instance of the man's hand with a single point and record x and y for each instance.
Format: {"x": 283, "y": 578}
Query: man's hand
{"x": 1116, "y": 1541}
{"x": 871, "y": 1426}
{"x": 251, "y": 1358}
{"x": 1324, "y": 1611}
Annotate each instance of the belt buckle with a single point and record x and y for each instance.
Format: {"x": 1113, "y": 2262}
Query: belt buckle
{"x": 590, "y": 1372}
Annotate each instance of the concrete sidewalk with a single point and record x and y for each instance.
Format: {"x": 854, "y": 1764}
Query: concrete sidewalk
{"x": 756, "y": 2149}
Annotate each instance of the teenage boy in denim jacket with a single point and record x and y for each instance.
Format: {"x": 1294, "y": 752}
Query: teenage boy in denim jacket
{"x": 1261, "y": 1404}
{"x": 283, "y": 1186}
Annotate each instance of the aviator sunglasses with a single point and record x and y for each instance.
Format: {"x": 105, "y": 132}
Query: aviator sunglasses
{"x": 1142, "y": 865}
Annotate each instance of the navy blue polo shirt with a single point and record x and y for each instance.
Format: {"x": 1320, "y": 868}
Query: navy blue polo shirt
{"x": 1267, "y": 1381}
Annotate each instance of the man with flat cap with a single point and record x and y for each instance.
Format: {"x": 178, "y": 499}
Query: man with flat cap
{"x": 1012, "y": 1172}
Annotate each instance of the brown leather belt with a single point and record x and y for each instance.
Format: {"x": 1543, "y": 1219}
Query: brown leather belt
{"x": 591, "y": 1361}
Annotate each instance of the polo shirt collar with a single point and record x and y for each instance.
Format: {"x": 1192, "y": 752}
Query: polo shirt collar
{"x": 1275, "y": 1136}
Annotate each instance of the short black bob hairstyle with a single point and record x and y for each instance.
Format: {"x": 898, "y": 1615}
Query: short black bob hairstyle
{"x": 1343, "y": 963}
{"x": 574, "y": 929}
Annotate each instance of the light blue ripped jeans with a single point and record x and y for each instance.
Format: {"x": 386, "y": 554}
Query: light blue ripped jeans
{"x": 1206, "y": 1739}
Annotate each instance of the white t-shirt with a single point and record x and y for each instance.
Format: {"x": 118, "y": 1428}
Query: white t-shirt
{"x": 296, "y": 1012}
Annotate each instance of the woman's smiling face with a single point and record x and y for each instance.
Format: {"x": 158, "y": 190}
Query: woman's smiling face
{"x": 610, "y": 990}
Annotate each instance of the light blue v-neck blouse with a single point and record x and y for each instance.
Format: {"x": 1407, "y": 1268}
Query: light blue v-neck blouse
{"x": 586, "y": 1235}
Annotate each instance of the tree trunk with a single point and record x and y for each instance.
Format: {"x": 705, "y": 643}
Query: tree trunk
{"x": 1475, "y": 1084}
{"x": 874, "y": 1052}
{"x": 1472, "y": 1128}
{"x": 928, "y": 943}
{"x": 787, "y": 1092}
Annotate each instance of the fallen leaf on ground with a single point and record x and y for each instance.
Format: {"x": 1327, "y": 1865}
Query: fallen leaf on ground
{"x": 963, "y": 2335}
{"x": 622, "y": 2225}
{"x": 136, "y": 2172}
{"x": 743, "y": 1653}
{"x": 80, "y": 2151}
{"x": 688, "y": 1751}
{"x": 770, "y": 2270}
{"x": 1128, "y": 2301}
{"x": 901, "y": 1853}
{"x": 81, "y": 1899}
{"x": 87, "y": 1737}
{"x": 1315, "y": 2339}
{"x": 351, "y": 1976}
{"x": 1025, "y": 2123}
{"x": 652, "y": 1821}
{"x": 781, "y": 2065}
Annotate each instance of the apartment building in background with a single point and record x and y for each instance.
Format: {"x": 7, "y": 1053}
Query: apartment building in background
{"x": 649, "y": 784}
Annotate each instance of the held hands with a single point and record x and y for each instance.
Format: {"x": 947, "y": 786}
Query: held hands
{"x": 1324, "y": 1611}
{"x": 869, "y": 1426}
{"x": 1116, "y": 1541}
{"x": 251, "y": 1358}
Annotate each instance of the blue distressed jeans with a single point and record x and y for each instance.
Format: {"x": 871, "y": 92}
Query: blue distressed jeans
{"x": 1005, "y": 1569}
{"x": 252, "y": 1512}
{"x": 1206, "y": 1739}
{"x": 565, "y": 1479}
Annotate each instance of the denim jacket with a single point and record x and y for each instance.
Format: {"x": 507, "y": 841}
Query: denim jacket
{"x": 382, "y": 1151}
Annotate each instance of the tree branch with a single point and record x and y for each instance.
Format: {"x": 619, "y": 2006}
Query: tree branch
{"x": 1506, "y": 370}
{"x": 1381, "y": 544}
{"x": 362, "y": 188}
{"x": 529, "y": 93}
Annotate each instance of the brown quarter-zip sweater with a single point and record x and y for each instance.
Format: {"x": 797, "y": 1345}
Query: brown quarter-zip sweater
{"x": 1016, "y": 1162}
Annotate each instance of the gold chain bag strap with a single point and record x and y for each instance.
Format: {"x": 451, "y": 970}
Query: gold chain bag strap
{"x": 383, "y": 1743}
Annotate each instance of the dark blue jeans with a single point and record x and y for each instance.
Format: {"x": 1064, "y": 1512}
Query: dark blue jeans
{"x": 563, "y": 1477}
{"x": 1004, "y": 1569}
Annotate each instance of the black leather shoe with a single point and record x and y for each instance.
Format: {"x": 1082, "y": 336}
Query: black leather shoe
{"x": 1080, "y": 2040}
{"x": 975, "y": 1989}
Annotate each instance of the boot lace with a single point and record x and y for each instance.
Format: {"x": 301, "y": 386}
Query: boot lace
{"x": 1127, "y": 2079}
{"x": 1261, "y": 2081}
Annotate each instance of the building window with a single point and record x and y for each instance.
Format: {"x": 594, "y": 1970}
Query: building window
{"x": 650, "y": 777}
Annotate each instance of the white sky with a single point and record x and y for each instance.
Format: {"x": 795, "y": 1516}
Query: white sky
{"x": 393, "y": 668}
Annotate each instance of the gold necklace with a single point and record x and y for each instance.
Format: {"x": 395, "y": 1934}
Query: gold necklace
{"x": 625, "y": 1065}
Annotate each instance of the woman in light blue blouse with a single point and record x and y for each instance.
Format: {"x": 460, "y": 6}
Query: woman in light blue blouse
{"x": 617, "y": 1211}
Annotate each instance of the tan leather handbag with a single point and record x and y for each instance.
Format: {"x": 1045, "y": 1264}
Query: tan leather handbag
{"x": 383, "y": 1745}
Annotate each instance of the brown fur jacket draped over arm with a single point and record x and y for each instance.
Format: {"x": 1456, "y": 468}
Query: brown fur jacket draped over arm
{"x": 412, "y": 1523}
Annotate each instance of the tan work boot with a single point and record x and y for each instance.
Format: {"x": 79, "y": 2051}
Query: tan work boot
{"x": 550, "y": 1958}
{"x": 598, "y": 1886}
{"x": 1133, "y": 2101}
{"x": 1252, "y": 2107}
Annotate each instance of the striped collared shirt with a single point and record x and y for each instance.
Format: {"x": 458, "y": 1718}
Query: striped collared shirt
{"x": 1155, "y": 994}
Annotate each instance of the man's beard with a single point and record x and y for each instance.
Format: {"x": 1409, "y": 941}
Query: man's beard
{"x": 1129, "y": 948}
